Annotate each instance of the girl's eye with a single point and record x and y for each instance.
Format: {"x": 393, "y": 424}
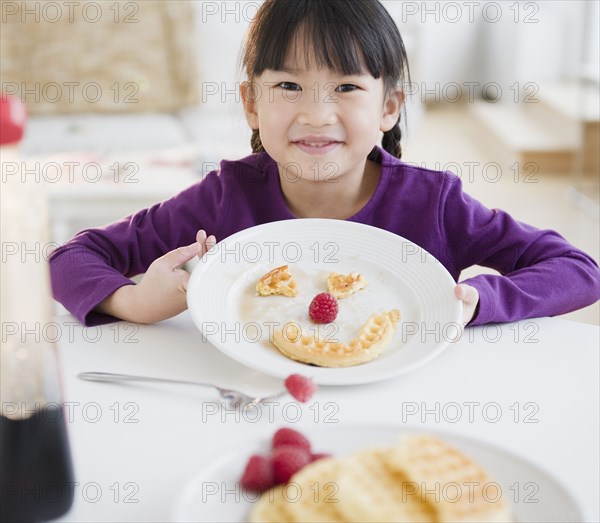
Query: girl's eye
{"x": 289, "y": 86}
{"x": 346, "y": 88}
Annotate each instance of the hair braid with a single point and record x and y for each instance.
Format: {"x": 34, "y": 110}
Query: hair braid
{"x": 257, "y": 146}
{"x": 391, "y": 140}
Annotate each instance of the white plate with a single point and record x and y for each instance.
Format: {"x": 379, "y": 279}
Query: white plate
{"x": 223, "y": 303}
{"x": 214, "y": 494}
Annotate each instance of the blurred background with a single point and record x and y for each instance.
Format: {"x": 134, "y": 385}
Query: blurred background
{"x": 129, "y": 102}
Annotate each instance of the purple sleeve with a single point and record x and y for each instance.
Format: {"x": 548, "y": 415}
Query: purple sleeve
{"x": 541, "y": 274}
{"x": 96, "y": 262}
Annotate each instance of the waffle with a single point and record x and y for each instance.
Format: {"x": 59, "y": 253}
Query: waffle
{"x": 386, "y": 484}
{"x": 437, "y": 468}
{"x": 370, "y": 491}
{"x": 278, "y": 282}
{"x": 270, "y": 508}
{"x": 316, "y": 500}
{"x": 343, "y": 285}
{"x": 372, "y": 339}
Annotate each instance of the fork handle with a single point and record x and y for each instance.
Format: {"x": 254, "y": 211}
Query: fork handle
{"x": 110, "y": 376}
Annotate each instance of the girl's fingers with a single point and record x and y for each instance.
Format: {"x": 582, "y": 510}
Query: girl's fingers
{"x": 181, "y": 255}
{"x": 470, "y": 297}
{"x": 459, "y": 292}
{"x": 466, "y": 293}
{"x": 201, "y": 236}
{"x": 206, "y": 244}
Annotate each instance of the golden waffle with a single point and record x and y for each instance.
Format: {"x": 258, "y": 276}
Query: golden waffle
{"x": 343, "y": 285}
{"x": 412, "y": 482}
{"x": 279, "y": 281}
{"x": 370, "y": 491}
{"x": 372, "y": 339}
{"x": 438, "y": 468}
{"x": 316, "y": 499}
{"x": 270, "y": 508}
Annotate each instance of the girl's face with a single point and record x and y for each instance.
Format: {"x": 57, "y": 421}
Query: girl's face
{"x": 315, "y": 123}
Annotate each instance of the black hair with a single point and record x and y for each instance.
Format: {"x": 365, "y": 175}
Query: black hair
{"x": 345, "y": 36}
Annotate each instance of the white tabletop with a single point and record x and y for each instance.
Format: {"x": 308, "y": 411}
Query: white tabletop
{"x": 531, "y": 388}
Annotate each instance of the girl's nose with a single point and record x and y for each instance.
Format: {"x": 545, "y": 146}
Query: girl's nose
{"x": 317, "y": 107}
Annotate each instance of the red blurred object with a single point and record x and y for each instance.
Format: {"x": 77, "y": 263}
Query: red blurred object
{"x": 12, "y": 119}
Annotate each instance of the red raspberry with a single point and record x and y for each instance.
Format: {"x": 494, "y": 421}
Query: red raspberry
{"x": 319, "y": 455}
{"x": 300, "y": 387}
{"x": 258, "y": 475}
{"x": 287, "y": 460}
{"x": 290, "y": 437}
{"x": 323, "y": 308}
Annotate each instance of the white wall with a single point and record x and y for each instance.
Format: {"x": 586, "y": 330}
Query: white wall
{"x": 591, "y": 53}
{"x": 221, "y": 26}
{"x": 545, "y": 44}
{"x": 441, "y": 38}
{"x": 497, "y": 41}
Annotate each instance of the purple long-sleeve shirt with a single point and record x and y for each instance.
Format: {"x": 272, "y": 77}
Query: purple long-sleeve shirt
{"x": 541, "y": 274}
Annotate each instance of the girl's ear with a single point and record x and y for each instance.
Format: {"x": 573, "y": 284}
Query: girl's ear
{"x": 394, "y": 100}
{"x": 249, "y": 98}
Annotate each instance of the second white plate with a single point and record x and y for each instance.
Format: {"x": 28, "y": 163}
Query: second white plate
{"x": 214, "y": 494}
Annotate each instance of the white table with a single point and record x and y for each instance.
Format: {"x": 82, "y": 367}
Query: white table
{"x": 533, "y": 388}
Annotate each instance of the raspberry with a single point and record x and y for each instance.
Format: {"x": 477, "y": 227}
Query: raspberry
{"x": 258, "y": 475}
{"x": 319, "y": 455}
{"x": 290, "y": 437}
{"x": 323, "y": 308}
{"x": 287, "y": 460}
{"x": 300, "y": 387}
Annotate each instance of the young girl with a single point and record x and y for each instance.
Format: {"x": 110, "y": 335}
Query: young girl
{"x": 324, "y": 79}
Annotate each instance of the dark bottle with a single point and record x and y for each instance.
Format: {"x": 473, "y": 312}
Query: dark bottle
{"x": 36, "y": 475}
{"x": 35, "y": 467}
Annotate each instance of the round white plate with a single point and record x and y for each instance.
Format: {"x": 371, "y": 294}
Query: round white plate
{"x": 214, "y": 494}
{"x": 400, "y": 275}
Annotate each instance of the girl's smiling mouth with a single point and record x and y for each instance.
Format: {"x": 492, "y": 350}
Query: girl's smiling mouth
{"x": 316, "y": 144}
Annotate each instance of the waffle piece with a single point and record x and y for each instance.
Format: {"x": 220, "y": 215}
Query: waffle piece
{"x": 270, "y": 508}
{"x": 316, "y": 500}
{"x": 372, "y": 339}
{"x": 370, "y": 491}
{"x": 278, "y": 282}
{"x": 343, "y": 285}
{"x": 310, "y": 496}
{"x": 436, "y": 467}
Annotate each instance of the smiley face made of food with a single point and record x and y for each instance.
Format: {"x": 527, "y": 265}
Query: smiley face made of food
{"x": 374, "y": 336}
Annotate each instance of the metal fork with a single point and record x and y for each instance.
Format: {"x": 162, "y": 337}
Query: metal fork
{"x": 233, "y": 398}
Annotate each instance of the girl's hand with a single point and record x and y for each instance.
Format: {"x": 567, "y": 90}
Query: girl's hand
{"x": 470, "y": 298}
{"x": 161, "y": 293}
